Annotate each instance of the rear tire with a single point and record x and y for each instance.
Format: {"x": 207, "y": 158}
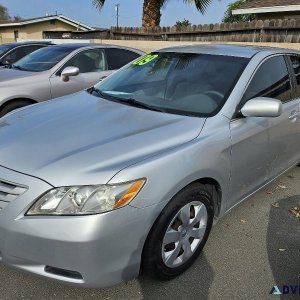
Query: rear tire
{"x": 179, "y": 234}
{"x": 12, "y": 106}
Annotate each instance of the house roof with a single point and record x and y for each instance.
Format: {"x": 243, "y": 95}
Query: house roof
{"x": 267, "y": 6}
{"x": 61, "y": 18}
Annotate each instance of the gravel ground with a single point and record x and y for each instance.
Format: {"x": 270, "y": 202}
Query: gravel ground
{"x": 251, "y": 249}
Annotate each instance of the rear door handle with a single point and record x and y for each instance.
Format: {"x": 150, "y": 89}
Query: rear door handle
{"x": 294, "y": 115}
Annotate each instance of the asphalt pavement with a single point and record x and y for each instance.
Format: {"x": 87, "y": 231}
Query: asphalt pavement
{"x": 250, "y": 250}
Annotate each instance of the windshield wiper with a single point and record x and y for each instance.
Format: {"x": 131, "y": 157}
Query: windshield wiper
{"x": 129, "y": 101}
{"x": 94, "y": 90}
{"x": 133, "y": 102}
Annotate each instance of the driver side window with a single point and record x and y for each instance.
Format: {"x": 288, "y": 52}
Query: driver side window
{"x": 270, "y": 80}
{"x": 88, "y": 61}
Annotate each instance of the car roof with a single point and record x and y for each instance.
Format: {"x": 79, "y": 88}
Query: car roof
{"x": 16, "y": 44}
{"x": 75, "y": 46}
{"x": 227, "y": 50}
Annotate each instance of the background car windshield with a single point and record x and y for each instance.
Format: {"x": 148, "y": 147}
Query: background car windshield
{"x": 43, "y": 59}
{"x": 189, "y": 84}
{"x": 4, "y": 48}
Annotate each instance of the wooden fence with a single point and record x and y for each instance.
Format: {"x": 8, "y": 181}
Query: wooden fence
{"x": 270, "y": 31}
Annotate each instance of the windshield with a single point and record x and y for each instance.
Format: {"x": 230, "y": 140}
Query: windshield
{"x": 43, "y": 59}
{"x": 180, "y": 83}
{"x": 5, "y": 48}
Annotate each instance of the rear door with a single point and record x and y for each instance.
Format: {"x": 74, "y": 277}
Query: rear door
{"x": 92, "y": 67}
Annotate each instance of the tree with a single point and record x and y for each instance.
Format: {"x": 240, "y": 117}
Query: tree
{"x": 152, "y": 9}
{"x": 229, "y": 17}
{"x": 181, "y": 24}
{"x": 17, "y": 18}
{"x": 4, "y": 13}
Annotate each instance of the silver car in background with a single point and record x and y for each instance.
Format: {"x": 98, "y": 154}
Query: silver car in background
{"x": 131, "y": 174}
{"x": 59, "y": 70}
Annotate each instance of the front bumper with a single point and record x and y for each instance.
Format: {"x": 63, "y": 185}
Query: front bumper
{"x": 94, "y": 251}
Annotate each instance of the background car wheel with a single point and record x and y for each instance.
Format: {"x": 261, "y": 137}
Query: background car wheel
{"x": 12, "y": 106}
{"x": 179, "y": 234}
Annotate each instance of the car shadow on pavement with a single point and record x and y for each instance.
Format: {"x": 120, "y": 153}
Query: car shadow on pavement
{"x": 189, "y": 285}
{"x": 283, "y": 244}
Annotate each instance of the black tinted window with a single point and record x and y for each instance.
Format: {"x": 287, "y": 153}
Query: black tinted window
{"x": 296, "y": 66}
{"x": 117, "y": 58}
{"x": 271, "y": 80}
{"x": 15, "y": 55}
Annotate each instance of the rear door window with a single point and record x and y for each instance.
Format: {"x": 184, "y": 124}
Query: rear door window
{"x": 117, "y": 58}
{"x": 296, "y": 66}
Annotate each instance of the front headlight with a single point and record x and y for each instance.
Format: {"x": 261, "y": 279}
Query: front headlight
{"x": 85, "y": 200}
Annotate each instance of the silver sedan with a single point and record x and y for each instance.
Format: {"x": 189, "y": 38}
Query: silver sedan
{"x": 131, "y": 174}
{"x": 58, "y": 71}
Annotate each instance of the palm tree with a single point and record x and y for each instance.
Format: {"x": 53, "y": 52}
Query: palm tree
{"x": 152, "y": 9}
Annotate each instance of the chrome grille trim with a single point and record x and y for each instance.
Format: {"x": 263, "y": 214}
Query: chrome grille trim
{"x": 10, "y": 191}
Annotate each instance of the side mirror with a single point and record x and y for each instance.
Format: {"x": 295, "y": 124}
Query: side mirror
{"x": 262, "y": 107}
{"x": 69, "y": 71}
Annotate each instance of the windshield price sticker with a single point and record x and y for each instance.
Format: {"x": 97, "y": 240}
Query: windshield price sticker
{"x": 145, "y": 59}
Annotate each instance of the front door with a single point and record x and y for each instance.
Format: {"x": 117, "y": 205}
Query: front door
{"x": 263, "y": 147}
{"x": 92, "y": 67}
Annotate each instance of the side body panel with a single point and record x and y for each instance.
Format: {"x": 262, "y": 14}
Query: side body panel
{"x": 207, "y": 156}
{"x": 250, "y": 156}
{"x": 75, "y": 84}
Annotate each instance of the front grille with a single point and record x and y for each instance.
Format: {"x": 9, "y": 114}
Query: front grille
{"x": 10, "y": 191}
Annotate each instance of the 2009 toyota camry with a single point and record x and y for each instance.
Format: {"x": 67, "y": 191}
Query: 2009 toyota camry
{"x": 131, "y": 174}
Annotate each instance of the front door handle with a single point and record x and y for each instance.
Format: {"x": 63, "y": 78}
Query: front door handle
{"x": 294, "y": 115}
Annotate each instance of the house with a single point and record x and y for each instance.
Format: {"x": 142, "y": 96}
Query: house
{"x": 34, "y": 29}
{"x": 270, "y": 9}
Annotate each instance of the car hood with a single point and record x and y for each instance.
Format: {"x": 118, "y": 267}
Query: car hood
{"x": 83, "y": 139}
{"x": 12, "y": 74}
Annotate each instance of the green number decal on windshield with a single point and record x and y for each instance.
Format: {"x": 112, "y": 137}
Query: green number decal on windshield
{"x": 145, "y": 59}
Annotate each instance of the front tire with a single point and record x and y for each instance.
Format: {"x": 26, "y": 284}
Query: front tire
{"x": 13, "y": 106}
{"x": 179, "y": 234}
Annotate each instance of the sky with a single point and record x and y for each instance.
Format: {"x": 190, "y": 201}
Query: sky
{"x": 130, "y": 11}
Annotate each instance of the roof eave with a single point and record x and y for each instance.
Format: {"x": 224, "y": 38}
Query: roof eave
{"x": 61, "y": 18}
{"x": 260, "y": 10}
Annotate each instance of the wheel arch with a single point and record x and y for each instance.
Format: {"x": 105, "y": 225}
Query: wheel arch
{"x": 216, "y": 192}
{"x": 10, "y": 101}
{"x": 7, "y": 102}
